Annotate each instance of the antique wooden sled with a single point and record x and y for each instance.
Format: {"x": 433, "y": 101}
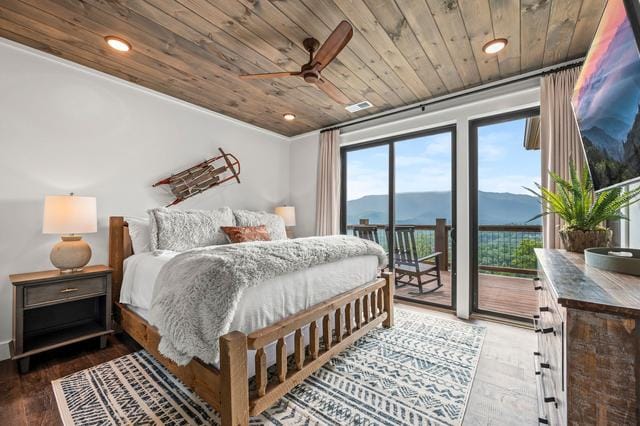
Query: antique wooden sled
{"x": 199, "y": 178}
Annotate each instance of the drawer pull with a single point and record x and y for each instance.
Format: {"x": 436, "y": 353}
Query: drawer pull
{"x": 536, "y": 281}
{"x": 544, "y": 330}
{"x": 542, "y": 414}
{"x": 535, "y": 317}
{"x": 544, "y": 309}
{"x": 549, "y": 399}
{"x": 68, "y": 290}
{"x": 544, "y": 365}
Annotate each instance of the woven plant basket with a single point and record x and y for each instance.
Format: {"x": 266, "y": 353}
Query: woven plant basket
{"x": 578, "y": 241}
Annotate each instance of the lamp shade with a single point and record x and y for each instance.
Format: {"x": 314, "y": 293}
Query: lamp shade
{"x": 288, "y": 214}
{"x": 69, "y": 214}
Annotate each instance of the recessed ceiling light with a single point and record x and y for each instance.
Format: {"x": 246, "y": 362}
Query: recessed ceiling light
{"x": 289, "y": 117}
{"x": 494, "y": 46}
{"x": 118, "y": 44}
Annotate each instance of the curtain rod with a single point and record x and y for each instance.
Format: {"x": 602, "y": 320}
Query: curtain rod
{"x": 500, "y": 83}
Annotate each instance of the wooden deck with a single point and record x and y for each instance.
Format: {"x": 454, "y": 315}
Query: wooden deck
{"x": 507, "y": 295}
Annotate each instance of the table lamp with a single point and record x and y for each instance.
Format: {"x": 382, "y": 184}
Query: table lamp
{"x": 288, "y": 214}
{"x": 70, "y": 215}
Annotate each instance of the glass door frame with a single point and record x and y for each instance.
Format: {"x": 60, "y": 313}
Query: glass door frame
{"x": 474, "y": 125}
{"x": 390, "y": 142}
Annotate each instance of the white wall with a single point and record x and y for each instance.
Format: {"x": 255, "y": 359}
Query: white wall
{"x": 66, "y": 128}
{"x": 459, "y": 112}
{"x": 631, "y": 230}
{"x": 304, "y": 151}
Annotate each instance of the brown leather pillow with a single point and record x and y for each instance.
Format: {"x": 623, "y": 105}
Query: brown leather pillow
{"x": 242, "y": 234}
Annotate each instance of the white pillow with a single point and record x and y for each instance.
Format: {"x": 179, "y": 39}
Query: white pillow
{"x": 273, "y": 222}
{"x": 140, "y": 233}
{"x": 180, "y": 230}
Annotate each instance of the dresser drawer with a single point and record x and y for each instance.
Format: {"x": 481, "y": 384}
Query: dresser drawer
{"x": 549, "y": 326}
{"x": 52, "y": 293}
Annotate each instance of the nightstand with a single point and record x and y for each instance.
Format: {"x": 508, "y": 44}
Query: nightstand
{"x": 52, "y": 309}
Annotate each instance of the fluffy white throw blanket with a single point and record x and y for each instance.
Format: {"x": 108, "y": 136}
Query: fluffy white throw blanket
{"x": 197, "y": 292}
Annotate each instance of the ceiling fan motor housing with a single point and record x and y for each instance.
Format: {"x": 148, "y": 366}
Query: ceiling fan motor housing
{"x": 309, "y": 73}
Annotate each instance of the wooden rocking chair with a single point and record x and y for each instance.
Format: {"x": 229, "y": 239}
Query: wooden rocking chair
{"x": 409, "y": 265}
{"x": 367, "y": 232}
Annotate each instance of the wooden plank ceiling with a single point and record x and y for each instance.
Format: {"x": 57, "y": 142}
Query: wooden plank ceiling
{"x": 402, "y": 51}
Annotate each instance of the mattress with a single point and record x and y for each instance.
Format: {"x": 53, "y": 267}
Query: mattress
{"x": 263, "y": 304}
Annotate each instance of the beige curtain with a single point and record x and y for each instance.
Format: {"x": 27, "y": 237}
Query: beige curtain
{"x": 559, "y": 139}
{"x": 328, "y": 186}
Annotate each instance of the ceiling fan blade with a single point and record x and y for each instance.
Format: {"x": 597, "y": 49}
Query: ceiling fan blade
{"x": 268, "y": 75}
{"x": 332, "y": 91}
{"x": 333, "y": 45}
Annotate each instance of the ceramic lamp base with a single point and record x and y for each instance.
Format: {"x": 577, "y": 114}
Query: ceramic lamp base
{"x": 289, "y": 231}
{"x": 71, "y": 254}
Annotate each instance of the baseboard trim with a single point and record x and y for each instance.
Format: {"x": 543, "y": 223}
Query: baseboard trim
{"x": 5, "y": 353}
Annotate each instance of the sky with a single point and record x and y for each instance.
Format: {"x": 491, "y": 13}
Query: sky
{"x": 424, "y": 163}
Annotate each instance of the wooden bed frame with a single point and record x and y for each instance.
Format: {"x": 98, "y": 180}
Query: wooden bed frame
{"x": 355, "y": 313}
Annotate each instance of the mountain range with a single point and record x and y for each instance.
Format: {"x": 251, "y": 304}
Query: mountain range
{"x": 610, "y": 161}
{"x": 422, "y": 208}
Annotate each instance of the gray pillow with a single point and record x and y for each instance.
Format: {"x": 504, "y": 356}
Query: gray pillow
{"x": 181, "y": 230}
{"x": 273, "y": 222}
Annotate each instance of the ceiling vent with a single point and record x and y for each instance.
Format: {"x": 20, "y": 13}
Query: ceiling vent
{"x": 359, "y": 106}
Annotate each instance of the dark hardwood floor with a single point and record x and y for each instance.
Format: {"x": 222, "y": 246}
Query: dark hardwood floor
{"x": 27, "y": 399}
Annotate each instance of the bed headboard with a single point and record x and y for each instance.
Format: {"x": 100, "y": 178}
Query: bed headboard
{"x": 119, "y": 249}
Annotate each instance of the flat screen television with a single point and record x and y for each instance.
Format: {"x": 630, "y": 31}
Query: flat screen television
{"x": 606, "y": 98}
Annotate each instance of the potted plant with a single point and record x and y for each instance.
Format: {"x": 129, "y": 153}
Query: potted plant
{"x": 583, "y": 212}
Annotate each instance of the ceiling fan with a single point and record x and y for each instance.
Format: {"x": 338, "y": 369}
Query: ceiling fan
{"x": 326, "y": 53}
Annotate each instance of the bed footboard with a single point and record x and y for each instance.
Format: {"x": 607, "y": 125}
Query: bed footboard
{"x": 343, "y": 319}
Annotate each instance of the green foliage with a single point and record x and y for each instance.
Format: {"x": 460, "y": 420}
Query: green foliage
{"x": 574, "y": 201}
{"x": 524, "y": 257}
{"x": 508, "y": 249}
{"x": 496, "y": 248}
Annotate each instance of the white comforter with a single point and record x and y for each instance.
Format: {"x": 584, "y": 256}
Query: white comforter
{"x": 261, "y": 305}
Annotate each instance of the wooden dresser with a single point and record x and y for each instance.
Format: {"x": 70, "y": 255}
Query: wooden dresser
{"x": 588, "y": 358}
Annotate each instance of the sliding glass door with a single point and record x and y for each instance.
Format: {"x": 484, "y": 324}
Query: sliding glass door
{"x": 366, "y": 170}
{"x": 418, "y": 170}
{"x": 505, "y": 154}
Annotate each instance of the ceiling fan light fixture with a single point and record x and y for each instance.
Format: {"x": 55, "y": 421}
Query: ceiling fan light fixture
{"x": 289, "y": 116}
{"x": 494, "y": 46}
{"x": 117, "y": 43}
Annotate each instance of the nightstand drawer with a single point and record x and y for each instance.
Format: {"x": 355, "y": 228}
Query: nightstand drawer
{"x": 51, "y": 293}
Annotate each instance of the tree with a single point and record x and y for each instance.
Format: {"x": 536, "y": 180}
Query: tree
{"x": 524, "y": 255}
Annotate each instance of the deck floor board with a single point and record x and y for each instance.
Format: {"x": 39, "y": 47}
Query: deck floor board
{"x": 497, "y": 293}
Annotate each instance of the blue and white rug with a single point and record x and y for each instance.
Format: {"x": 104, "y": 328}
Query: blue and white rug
{"x": 419, "y": 372}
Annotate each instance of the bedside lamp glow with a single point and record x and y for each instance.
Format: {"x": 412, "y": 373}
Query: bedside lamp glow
{"x": 288, "y": 214}
{"x": 70, "y": 215}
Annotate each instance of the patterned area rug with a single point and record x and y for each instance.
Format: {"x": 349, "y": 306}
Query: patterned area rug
{"x": 419, "y": 372}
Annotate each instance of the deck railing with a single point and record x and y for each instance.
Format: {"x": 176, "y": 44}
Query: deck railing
{"x": 504, "y": 249}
